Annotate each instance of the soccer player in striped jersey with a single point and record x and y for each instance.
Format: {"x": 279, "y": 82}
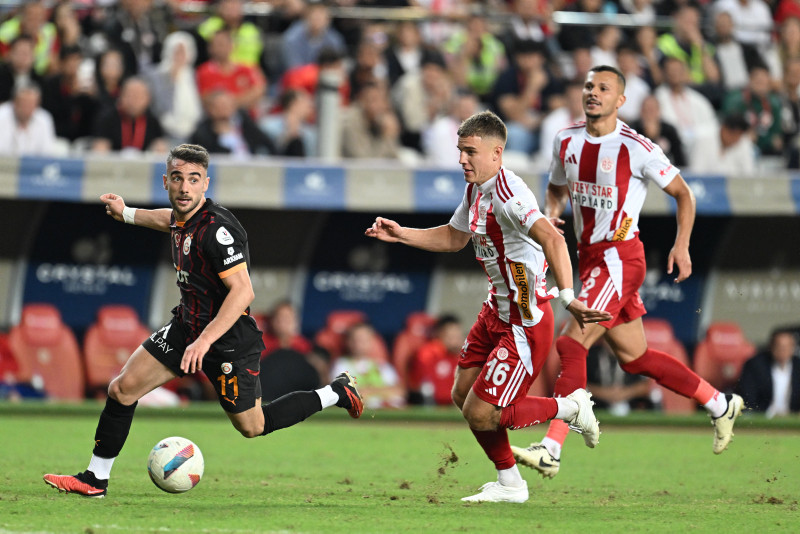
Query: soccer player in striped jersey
{"x": 507, "y": 346}
{"x": 603, "y": 167}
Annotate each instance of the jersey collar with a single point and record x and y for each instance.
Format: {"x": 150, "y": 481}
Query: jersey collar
{"x": 206, "y": 205}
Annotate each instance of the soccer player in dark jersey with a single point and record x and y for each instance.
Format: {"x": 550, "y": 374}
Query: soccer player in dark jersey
{"x": 211, "y": 329}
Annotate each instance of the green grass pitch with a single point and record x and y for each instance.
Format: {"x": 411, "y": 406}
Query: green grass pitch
{"x": 399, "y": 472}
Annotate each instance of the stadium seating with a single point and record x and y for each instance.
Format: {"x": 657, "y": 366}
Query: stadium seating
{"x": 408, "y": 341}
{"x": 47, "y": 351}
{"x": 661, "y": 336}
{"x": 109, "y": 342}
{"x": 720, "y": 356}
{"x": 332, "y": 337}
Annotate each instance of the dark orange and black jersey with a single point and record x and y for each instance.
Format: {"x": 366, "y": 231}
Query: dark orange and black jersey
{"x": 207, "y": 248}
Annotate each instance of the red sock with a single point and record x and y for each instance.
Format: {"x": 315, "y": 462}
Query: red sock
{"x": 495, "y": 445}
{"x": 573, "y": 366}
{"x": 528, "y": 412}
{"x": 670, "y": 373}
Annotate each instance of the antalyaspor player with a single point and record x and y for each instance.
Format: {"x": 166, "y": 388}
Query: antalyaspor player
{"x": 603, "y": 167}
{"x": 507, "y": 345}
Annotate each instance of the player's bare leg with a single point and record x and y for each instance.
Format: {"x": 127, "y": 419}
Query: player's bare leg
{"x": 141, "y": 374}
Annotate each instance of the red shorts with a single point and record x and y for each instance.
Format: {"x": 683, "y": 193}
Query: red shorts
{"x": 611, "y": 275}
{"x": 503, "y": 350}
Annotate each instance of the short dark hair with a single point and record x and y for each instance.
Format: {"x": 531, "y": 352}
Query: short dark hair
{"x": 484, "y": 124}
{"x": 444, "y": 321}
{"x": 190, "y": 154}
{"x": 781, "y": 331}
{"x": 609, "y": 68}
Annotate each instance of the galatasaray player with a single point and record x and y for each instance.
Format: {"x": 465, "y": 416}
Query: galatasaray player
{"x": 211, "y": 329}
{"x": 603, "y": 167}
{"x": 506, "y": 347}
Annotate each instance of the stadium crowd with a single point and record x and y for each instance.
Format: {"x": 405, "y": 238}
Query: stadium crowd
{"x": 715, "y": 83}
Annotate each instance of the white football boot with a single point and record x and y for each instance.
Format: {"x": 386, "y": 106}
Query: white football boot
{"x": 584, "y": 422}
{"x": 537, "y": 457}
{"x": 723, "y": 425}
{"x": 496, "y": 492}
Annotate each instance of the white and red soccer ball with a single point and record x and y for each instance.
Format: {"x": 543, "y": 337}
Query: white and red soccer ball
{"x": 175, "y": 465}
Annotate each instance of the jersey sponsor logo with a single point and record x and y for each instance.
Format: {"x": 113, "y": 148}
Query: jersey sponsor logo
{"x": 227, "y": 367}
{"x": 606, "y": 164}
{"x": 235, "y": 257}
{"x": 224, "y": 236}
{"x": 177, "y": 240}
{"x": 523, "y": 289}
{"x": 484, "y": 248}
{"x": 186, "y": 244}
{"x": 571, "y": 159}
{"x": 523, "y": 212}
{"x": 502, "y": 353}
{"x": 623, "y": 230}
{"x": 597, "y": 196}
{"x": 183, "y": 276}
{"x": 464, "y": 348}
{"x": 663, "y": 172}
{"x": 491, "y": 391}
{"x": 230, "y": 251}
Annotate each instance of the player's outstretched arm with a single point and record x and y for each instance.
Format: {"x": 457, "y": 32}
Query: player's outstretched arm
{"x": 157, "y": 219}
{"x": 557, "y": 255}
{"x": 239, "y": 297}
{"x": 555, "y": 203}
{"x": 679, "y": 255}
{"x": 443, "y": 238}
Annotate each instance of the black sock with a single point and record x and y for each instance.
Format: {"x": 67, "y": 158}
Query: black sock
{"x": 289, "y": 410}
{"x": 112, "y": 429}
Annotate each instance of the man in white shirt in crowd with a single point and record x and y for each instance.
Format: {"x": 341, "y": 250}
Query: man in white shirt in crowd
{"x": 28, "y": 129}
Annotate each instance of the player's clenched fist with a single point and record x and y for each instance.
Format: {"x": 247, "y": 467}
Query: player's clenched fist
{"x": 114, "y": 205}
{"x": 385, "y": 230}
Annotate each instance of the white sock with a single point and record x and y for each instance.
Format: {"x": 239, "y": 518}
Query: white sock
{"x": 327, "y": 396}
{"x": 717, "y": 406}
{"x": 553, "y": 447}
{"x": 567, "y": 408}
{"x": 510, "y": 477}
{"x": 101, "y": 467}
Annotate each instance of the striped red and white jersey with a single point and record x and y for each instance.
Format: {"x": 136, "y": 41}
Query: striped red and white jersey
{"x": 607, "y": 178}
{"x": 499, "y": 213}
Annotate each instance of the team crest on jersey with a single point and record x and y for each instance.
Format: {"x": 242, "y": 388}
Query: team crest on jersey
{"x": 606, "y": 164}
{"x": 522, "y": 211}
{"x": 186, "y": 244}
{"x": 230, "y": 251}
{"x": 227, "y": 367}
{"x": 177, "y": 239}
{"x": 595, "y": 272}
{"x": 482, "y": 212}
{"x": 224, "y": 236}
{"x": 502, "y": 353}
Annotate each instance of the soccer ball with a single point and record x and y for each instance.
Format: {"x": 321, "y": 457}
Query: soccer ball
{"x": 175, "y": 465}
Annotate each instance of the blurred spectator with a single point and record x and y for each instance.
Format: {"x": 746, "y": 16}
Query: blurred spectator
{"x": 689, "y": 111}
{"x": 291, "y": 129}
{"x": 604, "y": 51}
{"x": 130, "y": 125}
{"x": 440, "y": 139}
{"x": 69, "y": 96}
{"x": 612, "y": 388}
{"x": 27, "y": 130}
{"x": 283, "y": 330}
{"x": 580, "y": 36}
{"x": 734, "y": 58}
{"x": 405, "y": 53}
{"x": 475, "y": 57}
{"x": 636, "y": 88}
{"x": 520, "y": 95}
{"x": 770, "y": 380}
{"x": 303, "y": 41}
{"x": 221, "y": 73}
{"x": 530, "y": 20}
{"x": 138, "y": 29}
{"x": 643, "y": 10}
{"x": 788, "y": 45}
{"x": 175, "y": 99}
{"x": 17, "y": 69}
{"x": 230, "y": 130}
{"x": 660, "y": 132}
{"x": 791, "y": 111}
{"x": 378, "y": 381}
{"x": 110, "y": 74}
{"x": 369, "y": 65}
{"x": 568, "y": 112}
{"x": 68, "y": 31}
{"x": 687, "y": 44}
{"x": 752, "y": 21}
{"x": 32, "y": 21}
{"x": 785, "y": 10}
{"x": 430, "y": 379}
{"x": 761, "y": 107}
{"x": 330, "y": 63}
{"x": 248, "y": 45}
{"x": 370, "y": 129}
{"x": 737, "y": 153}
{"x": 419, "y": 97}
{"x": 645, "y": 39}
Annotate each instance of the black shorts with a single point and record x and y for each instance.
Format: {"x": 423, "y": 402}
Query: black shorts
{"x": 233, "y": 374}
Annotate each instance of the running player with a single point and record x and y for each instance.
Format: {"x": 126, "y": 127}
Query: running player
{"x": 603, "y": 167}
{"x": 211, "y": 329}
{"x": 507, "y": 345}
